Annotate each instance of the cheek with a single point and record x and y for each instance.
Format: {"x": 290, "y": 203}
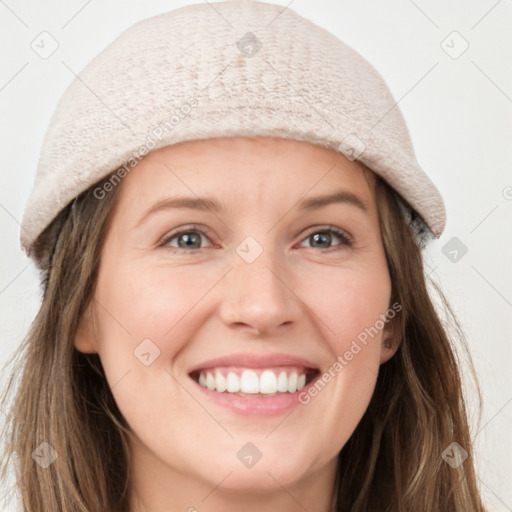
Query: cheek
{"x": 140, "y": 304}
{"x": 145, "y": 317}
{"x": 349, "y": 304}
{"x": 348, "y": 311}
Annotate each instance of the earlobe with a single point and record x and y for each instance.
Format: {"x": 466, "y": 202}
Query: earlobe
{"x": 388, "y": 350}
{"x": 389, "y": 344}
{"x": 85, "y": 337}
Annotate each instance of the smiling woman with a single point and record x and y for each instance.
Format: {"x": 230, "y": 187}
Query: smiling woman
{"x": 241, "y": 321}
{"x": 167, "y": 264}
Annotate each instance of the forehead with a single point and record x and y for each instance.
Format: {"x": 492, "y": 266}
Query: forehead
{"x": 244, "y": 170}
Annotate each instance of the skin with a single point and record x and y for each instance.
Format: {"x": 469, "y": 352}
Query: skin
{"x": 200, "y": 303}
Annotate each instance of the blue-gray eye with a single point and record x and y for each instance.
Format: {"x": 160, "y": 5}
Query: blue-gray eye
{"x": 191, "y": 238}
{"x": 186, "y": 239}
{"x": 322, "y": 239}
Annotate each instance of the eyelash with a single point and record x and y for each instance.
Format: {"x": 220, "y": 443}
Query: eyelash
{"x": 346, "y": 240}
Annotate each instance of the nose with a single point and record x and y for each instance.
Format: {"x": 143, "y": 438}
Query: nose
{"x": 259, "y": 296}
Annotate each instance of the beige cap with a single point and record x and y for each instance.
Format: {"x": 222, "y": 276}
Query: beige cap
{"x": 236, "y": 68}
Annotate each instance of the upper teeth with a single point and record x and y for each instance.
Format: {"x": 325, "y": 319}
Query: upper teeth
{"x": 268, "y": 382}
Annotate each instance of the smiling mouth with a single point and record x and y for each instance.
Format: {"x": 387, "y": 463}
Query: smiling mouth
{"x": 255, "y": 382}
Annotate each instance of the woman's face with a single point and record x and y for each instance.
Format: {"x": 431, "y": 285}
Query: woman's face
{"x": 219, "y": 259}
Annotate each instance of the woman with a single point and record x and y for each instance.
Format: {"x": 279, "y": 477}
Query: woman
{"x": 229, "y": 222}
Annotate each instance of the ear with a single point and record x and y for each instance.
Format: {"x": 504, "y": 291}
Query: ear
{"x": 389, "y": 342}
{"x": 85, "y": 337}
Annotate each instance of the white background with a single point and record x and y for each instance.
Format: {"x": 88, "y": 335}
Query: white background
{"x": 459, "y": 111}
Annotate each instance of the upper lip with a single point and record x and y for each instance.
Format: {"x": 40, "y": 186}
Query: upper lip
{"x": 254, "y": 361}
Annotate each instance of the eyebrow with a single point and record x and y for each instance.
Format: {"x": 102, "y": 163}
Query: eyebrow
{"x": 342, "y": 196}
{"x": 209, "y": 203}
{"x": 190, "y": 203}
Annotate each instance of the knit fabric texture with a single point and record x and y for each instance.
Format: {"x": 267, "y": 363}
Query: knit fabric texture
{"x": 235, "y": 68}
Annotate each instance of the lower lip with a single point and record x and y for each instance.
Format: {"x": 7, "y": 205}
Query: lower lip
{"x": 267, "y": 406}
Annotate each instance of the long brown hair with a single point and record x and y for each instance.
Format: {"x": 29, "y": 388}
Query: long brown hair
{"x": 391, "y": 463}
